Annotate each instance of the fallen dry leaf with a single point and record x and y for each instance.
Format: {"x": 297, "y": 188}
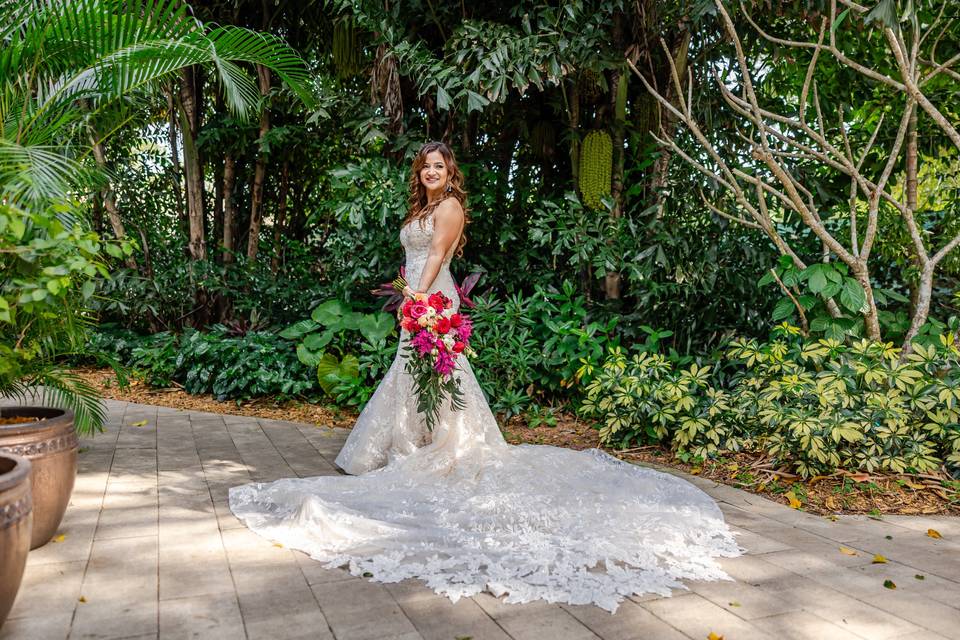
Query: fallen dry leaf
{"x": 82, "y": 599}
{"x": 714, "y": 636}
{"x": 792, "y": 497}
{"x": 831, "y": 503}
{"x": 277, "y": 544}
{"x": 60, "y": 538}
{"x": 696, "y": 471}
{"x": 735, "y": 604}
{"x": 889, "y": 584}
{"x": 920, "y": 576}
{"x": 142, "y": 423}
{"x": 933, "y": 533}
{"x": 879, "y": 559}
{"x": 848, "y": 551}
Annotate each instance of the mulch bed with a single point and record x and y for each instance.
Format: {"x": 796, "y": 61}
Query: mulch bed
{"x": 843, "y": 492}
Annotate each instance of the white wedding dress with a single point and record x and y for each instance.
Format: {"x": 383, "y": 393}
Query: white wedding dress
{"x": 466, "y": 512}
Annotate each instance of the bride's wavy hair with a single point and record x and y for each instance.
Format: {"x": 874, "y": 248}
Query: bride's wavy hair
{"x": 419, "y": 208}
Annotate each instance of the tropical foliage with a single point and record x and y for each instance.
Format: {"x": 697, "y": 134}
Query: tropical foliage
{"x": 812, "y": 406}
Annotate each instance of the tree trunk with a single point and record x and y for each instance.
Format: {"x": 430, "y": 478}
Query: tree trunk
{"x": 175, "y": 154}
{"x": 668, "y": 123}
{"x": 573, "y": 119}
{"x": 190, "y": 97}
{"x": 259, "y": 173}
{"x": 911, "y": 176}
{"x": 922, "y": 310}
{"x": 109, "y": 203}
{"x": 870, "y": 319}
{"x": 612, "y": 278}
{"x": 229, "y": 207}
{"x": 281, "y": 216}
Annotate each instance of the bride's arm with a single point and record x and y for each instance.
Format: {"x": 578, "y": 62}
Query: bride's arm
{"x": 447, "y": 219}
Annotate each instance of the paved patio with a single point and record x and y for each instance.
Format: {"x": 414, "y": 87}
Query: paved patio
{"x": 150, "y": 549}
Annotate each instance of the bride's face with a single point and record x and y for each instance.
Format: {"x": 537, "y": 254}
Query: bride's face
{"x": 434, "y": 174}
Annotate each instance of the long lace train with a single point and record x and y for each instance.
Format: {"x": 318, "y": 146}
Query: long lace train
{"x": 465, "y": 512}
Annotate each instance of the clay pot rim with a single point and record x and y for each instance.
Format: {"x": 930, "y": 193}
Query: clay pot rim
{"x": 18, "y": 475}
{"x": 50, "y": 418}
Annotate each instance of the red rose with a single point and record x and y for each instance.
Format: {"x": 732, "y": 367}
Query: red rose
{"x": 442, "y": 326}
{"x": 459, "y": 346}
{"x": 410, "y": 324}
{"x": 407, "y": 306}
{"x": 436, "y": 301}
{"x": 456, "y": 320}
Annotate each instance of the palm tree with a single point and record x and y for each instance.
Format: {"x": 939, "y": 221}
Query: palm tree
{"x": 64, "y": 64}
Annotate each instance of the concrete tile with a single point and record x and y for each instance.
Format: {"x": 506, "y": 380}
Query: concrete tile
{"x": 802, "y": 625}
{"x": 111, "y": 621}
{"x": 437, "y": 618}
{"x": 289, "y": 614}
{"x": 122, "y": 572}
{"x": 535, "y": 620}
{"x": 316, "y": 573}
{"x": 49, "y": 626}
{"x": 630, "y": 622}
{"x": 754, "y": 543}
{"x": 361, "y": 610}
{"x": 211, "y": 617}
{"x": 257, "y": 564}
{"x": 743, "y": 599}
{"x": 36, "y": 598}
{"x": 697, "y": 617}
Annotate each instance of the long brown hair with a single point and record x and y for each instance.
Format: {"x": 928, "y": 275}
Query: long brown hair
{"x": 419, "y": 208}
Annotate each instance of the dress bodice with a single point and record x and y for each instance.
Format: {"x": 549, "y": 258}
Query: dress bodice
{"x": 416, "y": 237}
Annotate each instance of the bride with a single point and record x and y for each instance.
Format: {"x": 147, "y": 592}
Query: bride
{"x": 464, "y": 511}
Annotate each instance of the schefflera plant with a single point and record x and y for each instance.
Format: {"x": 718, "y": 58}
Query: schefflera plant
{"x": 813, "y": 406}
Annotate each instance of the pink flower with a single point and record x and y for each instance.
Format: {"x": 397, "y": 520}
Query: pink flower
{"x": 444, "y": 364}
{"x": 465, "y": 329}
{"x": 418, "y": 310}
{"x": 423, "y": 342}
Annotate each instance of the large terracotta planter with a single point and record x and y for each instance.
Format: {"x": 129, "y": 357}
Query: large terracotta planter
{"x": 51, "y": 446}
{"x": 16, "y": 520}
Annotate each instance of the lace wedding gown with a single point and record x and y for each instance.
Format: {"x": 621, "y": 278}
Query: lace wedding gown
{"x": 466, "y": 512}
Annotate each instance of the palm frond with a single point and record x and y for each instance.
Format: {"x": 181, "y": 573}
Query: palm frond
{"x": 65, "y": 389}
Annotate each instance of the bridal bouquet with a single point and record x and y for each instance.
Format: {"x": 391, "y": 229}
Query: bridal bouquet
{"x": 438, "y": 336}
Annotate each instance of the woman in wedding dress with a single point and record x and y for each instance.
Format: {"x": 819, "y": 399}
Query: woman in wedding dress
{"x": 464, "y": 511}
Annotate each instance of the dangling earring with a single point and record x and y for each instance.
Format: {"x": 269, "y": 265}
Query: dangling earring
{"x": 449, "y": 188}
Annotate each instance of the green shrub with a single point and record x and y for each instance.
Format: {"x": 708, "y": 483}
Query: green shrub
{"x": 813, "y": 406}
{"x": 535, "y": 348}
{"x": 329, "y": 341}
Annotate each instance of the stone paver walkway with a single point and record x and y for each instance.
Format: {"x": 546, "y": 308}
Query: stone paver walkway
{"x": 150, "y": 549}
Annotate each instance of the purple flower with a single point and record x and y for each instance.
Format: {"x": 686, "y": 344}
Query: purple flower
{"x": 444, "y": 363}
{"x": 423, "y": 342}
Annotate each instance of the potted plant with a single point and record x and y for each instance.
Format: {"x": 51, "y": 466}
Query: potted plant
{"x": 68, "y": 63}
{"x": 16, "y": 518}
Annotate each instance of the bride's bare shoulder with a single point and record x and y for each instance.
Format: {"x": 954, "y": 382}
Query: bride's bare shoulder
{"x": 449, "y": 210}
